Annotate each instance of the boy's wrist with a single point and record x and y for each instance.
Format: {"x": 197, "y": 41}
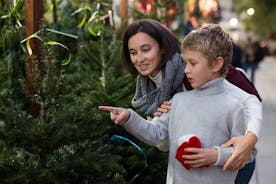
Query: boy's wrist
{"x": 223, "y": 154}
{"x": 214, "y": 155}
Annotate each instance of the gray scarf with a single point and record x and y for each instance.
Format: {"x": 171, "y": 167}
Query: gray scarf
{"x": 148, "y": 98}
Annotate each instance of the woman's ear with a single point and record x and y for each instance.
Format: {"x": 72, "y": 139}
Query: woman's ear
{"x": 217, "y": 65}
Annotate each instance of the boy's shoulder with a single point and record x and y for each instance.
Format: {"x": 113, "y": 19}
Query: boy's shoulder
{"x": 183, "y": 94}
{"x": 183, "y": 97}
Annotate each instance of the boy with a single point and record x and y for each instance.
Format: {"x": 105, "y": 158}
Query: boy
{"x": 213, "y": 115}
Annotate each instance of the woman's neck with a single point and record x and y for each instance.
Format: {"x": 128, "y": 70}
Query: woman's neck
{"x": 157, "y": 79}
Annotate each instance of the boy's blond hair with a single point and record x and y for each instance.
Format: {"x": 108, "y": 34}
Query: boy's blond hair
{"x": 212, "y": 41}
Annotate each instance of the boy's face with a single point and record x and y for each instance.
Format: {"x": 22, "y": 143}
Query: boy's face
{"x": 198, "y": 70}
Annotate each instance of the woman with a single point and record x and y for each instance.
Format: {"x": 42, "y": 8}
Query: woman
{"x": 152, "y": 52}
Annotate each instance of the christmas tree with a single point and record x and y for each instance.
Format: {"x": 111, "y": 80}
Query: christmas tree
{"x": 69, "y": 139}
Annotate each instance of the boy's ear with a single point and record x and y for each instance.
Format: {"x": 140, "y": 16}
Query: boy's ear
{"x": 217, "y": 65}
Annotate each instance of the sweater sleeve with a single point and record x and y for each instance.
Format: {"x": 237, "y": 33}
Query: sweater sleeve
{"x": 237, "y": 126}
{"x": 238, "y": 78}
{"x": 150, "y": 132}
{"x": 254, "y": 114}
{"x": 253, "y": 108}
{"x": 223, "y": 155}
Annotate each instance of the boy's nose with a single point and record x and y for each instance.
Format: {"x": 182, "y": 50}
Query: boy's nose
{"x": 186, "y": 70}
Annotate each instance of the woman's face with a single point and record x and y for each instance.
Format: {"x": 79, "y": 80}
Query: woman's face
{"x": 145, "y": 54}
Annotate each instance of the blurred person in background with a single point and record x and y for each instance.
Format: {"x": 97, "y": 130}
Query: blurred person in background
{"x": 254, "y": 54}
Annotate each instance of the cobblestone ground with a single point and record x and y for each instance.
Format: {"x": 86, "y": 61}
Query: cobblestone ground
{"x": 265, "y": 172}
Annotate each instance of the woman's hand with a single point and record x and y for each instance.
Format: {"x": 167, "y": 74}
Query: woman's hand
{"x": 117, "y": 115}
{"x": 165, "y": 107}
{"x": 201, "y": 157}
{"x": 243, "y": 147}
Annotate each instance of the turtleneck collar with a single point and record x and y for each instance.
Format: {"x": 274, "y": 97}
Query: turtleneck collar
{"x": 212, "y": 87}
{"x": 157, "y": 79}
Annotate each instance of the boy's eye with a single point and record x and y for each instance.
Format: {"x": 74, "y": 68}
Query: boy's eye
{"x": 192, "y": 63}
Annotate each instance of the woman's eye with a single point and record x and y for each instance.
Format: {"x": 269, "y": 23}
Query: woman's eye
{"x": 146, "y": 49}
{"x": 132, "y": 53}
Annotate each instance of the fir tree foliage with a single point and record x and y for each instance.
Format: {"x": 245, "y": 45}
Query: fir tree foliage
{"x": 66, "y": 143}
{"x": 69, "y": 140}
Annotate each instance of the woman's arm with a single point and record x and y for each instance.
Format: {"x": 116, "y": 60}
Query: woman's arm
{"x": 243, "y": 145}
{"x": 243, "y": 148}
{"x": 239, "y": 79}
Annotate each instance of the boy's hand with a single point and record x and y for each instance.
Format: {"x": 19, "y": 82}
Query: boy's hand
{"x": 118, "y": 115}
{"x": 165, "y": 107}
{"x": 201, "y": 157}
{"x": 243, "y": 147}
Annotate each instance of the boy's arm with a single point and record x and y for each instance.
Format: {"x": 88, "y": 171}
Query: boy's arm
{"x": 151, "y": 133}
{"x": 117, "y": 114}
{"x": 201, "y": 157}
{"x": 216, "y": 156}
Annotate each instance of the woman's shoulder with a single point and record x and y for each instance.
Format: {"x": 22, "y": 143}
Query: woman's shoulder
{"x": 240, "y": 80}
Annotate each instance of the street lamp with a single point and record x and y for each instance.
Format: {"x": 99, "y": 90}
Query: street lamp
{"x": 233, "y": 22}
{"x": 250, "y": 11}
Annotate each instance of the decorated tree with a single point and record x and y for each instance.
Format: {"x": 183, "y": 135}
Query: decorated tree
{"x": 168, "y": 12}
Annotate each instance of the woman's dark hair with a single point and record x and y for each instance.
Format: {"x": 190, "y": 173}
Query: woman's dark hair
{"x": 166, "y": 39}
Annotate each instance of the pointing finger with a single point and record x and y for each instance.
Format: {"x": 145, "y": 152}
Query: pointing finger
{"x": 107, "y": 108}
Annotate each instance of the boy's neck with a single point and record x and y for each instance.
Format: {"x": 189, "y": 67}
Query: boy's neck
{"x": 213, "y": 77}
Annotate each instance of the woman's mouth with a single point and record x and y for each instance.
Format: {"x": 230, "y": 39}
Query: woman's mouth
{"x": 143, "y": 67}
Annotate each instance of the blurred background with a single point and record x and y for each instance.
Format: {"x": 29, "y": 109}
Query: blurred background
{"x": 243, "y": 19}
{"x": 60, "y": 60}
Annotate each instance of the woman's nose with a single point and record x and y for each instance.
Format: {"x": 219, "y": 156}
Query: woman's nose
{"x": 140, "y": 57}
